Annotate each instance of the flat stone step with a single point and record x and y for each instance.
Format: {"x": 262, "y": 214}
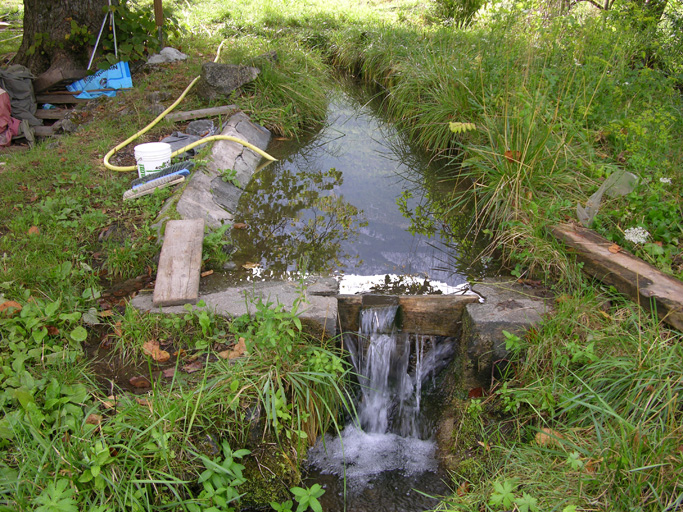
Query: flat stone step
{"x": 180, "y": 263}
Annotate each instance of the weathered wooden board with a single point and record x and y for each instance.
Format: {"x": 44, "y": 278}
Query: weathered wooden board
{"x": 43, "y": 131}
{"x": 53, "y": 113}
{"x": 631, "y": 276}
{"x": 437, "y": 315}
{"x": 61, "y": 99}
{"x": 204, "y": 112}
{"x": 180, "y": 263}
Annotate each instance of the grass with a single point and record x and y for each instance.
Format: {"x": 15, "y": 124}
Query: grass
{"x": 558, "y": 104}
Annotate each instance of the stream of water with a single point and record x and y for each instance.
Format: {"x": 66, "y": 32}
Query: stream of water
{"x": 330, "y": 204}
{"x": 387, "y": 460}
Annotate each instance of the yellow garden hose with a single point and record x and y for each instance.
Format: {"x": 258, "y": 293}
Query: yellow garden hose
{"x": 189, "y": 146}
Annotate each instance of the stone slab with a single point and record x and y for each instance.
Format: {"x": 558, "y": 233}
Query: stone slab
{"x": 207, "y": 196}
{"x": 239, "y": 300}
{"x": 196, "y": 202}
{"x": 507, "y": 306}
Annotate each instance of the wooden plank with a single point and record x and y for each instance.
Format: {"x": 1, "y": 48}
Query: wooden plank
{"x": 60, "y": 98}
{"x": 637, "y": 279}
{"x": 55, "y": 76}
{"x": 180, "y": 263}
{"x": 43, "y": 131}
{"x": 53, "y": 113}
{"x": 204, "y": 112}
{"x": 437, "y": 315}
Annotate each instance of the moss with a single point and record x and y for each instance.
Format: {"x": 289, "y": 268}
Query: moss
{"x": 269, "y": 474}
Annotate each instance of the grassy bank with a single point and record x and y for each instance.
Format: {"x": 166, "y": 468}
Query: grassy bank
{"x": 536, "y": 110}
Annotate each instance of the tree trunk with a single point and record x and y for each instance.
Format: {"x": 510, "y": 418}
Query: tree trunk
{"x": 50, "y": 41}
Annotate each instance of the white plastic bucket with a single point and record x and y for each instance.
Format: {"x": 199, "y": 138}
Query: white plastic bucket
{"x": 151, "y": 157}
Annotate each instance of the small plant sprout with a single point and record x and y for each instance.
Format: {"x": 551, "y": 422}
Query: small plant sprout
{"x": 308, "y": 498}
{"x": 503, "y": 495}
{"x": 574, "y": 460}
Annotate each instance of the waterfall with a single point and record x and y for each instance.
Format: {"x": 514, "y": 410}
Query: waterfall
{"x": 390, "y": 435}
{"x": 390, "y": 377}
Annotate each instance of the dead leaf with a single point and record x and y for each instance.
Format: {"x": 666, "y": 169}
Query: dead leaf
{"x": 237, "y": 351}
{"x": 110, "y": 402}
{"x": 549, "y": 438}
{"x": 207, "y": 273}
{"x": 93, "y": 419}
{"x": 152, "y": 349}
{"x": 106, "y": 313}
{"x": 180, "y": 353}
{"x": 513, "y": 156}
{"x": 614, "y": 248}
{"x": 475, "y": 393}
{"x": 33, "y": 230}
{"x": 52, "y": 330}
{"x": 249, "y": 265}
{"x": 168, "y": 372}
{"x": 463, "y": 489}
{"x": 140, "y": 382}
{"x": 10, "y": 307}
{"x": 144, "y": 402}
{"x": 591, "y": 465}
{"x": 485, "y": 445}
{"x": 193, "y": 367}
{"x": 240, "y": 225}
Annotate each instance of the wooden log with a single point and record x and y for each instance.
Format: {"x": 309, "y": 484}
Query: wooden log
{"x": 55, "y": 76}
{"x": 640, "y": 281}
{"x": 180, "y": 263}
{"x": 60, "y": 98}
{"x": 436, "y": 315}
{"x": 204, "y": 112}
{"x": 43, "y": 131}
{"x": 53, "y": 113}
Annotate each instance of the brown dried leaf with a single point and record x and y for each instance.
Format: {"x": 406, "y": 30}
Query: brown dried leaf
{"x": 249, "y": 265}
{"x": 463, "y": 489}
{"x": 614, "y": 248}
{"x": 52, "y": 330}
{"x": 193, "y": 367}
{"x": 140, "y": 382}
{"x": 513, "y": 156}
{"x": 10, "y": 307}
{"x": 144, "y": 402}
{"x": 106, "y": 313}
{"x": 152, "y": 349}
{"x": 93, "y": 419}
{"x": 168, "y": 372}
{"x": 239, "y": 225}
{"x": 549, "y": 438}
{"x": 33, "y": 230}
{"x": 238, "y": 350}
{"x": 207, "y": 273}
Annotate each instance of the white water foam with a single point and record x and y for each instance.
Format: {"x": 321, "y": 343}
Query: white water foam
{"x": 366, "y": 455}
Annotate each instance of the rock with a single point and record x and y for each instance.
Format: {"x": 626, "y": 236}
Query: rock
{"x": 230, "y": 266}
{"x": 158, "y": 96}
{"x": 508, "y": 307}
{"x": 201, "y": 128}
{"x": 221, "y": 79}
{"x": 156, "y": 109}
{"x": 166, "y": 56}
{"x": 238, "y": 300}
